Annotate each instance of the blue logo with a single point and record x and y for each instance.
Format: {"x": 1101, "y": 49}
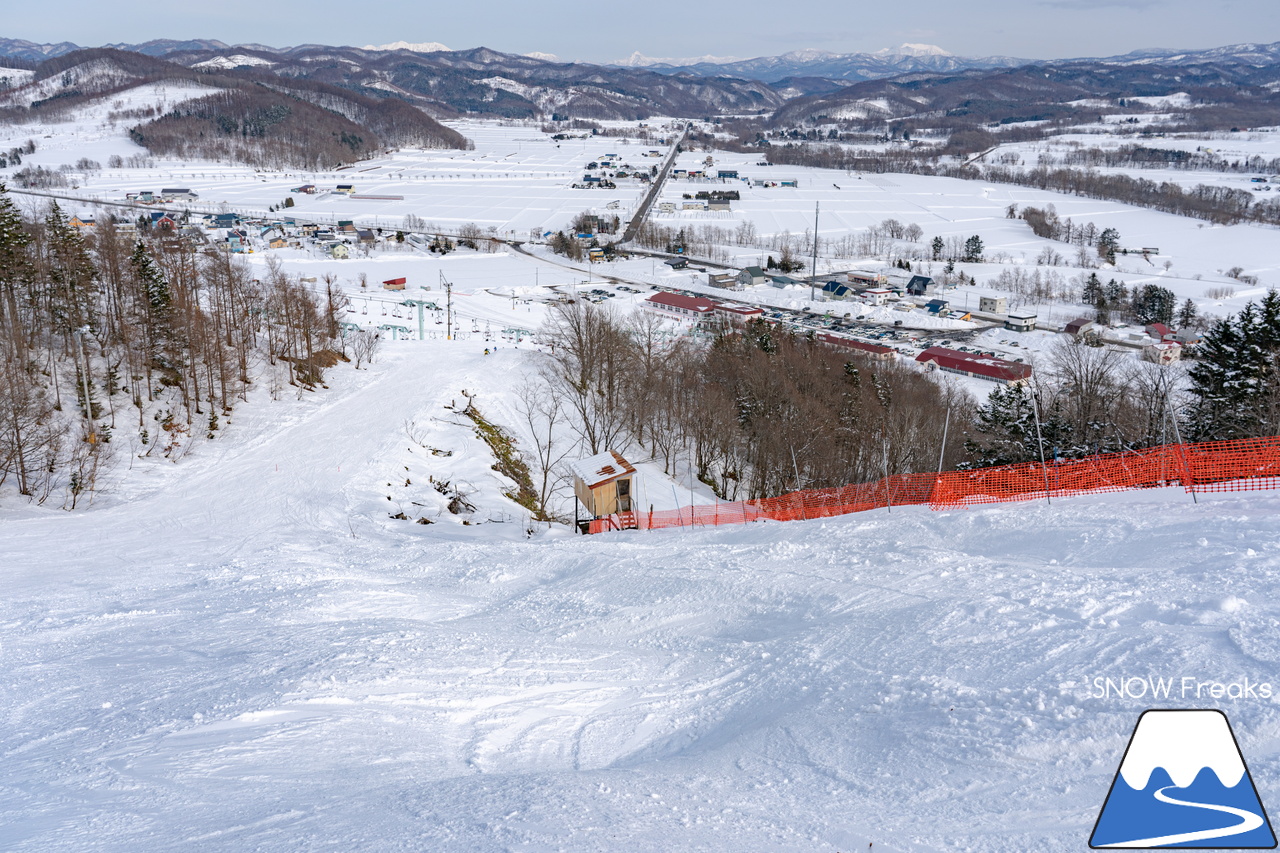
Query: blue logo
{"x": 1183, "y": 783}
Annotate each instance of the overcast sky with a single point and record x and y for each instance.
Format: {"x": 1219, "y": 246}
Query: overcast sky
{"x": 597, "y": 32}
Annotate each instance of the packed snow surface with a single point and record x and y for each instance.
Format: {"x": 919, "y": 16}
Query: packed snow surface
{"x": 246, "y": 653}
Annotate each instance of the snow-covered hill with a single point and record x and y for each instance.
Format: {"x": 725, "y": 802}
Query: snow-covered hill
{"x": 248, "y": 653}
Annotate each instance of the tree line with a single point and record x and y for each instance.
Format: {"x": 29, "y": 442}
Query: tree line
{"x": 1217, "y": 204}
{"x": 756, "y": 410}
{"x": 752, "y": 412}
{"x": 1146, "y": 157}
{"x": 1090, "y": 399}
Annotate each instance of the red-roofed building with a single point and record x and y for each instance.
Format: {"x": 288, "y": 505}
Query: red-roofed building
{"x": 1159, "y": 331}
{"x": 678, "y": 305}
{"x": 982, "y": 366}
{"x": 874, "y": 351}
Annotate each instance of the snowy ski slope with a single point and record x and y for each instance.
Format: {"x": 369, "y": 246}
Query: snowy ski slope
{"x": 248, "y": 654}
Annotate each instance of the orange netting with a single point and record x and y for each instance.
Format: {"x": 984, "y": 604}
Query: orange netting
{"x": 1214, "y": 466}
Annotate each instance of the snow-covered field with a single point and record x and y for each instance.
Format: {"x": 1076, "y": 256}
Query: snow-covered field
{"x": 949, "y": 207}
{"x": 518, "y": 181}
{"x": 253, "y": 655}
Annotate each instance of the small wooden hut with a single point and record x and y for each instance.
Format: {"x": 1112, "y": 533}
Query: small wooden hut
{"x": 604, "y": 484}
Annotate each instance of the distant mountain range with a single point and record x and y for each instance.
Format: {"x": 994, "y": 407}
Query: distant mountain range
{"x": 915, "y": 86}
{"x": 442, "y": 83}
{"x": 891, "y": 62}
{"x": 418, "y": 47}
{"x": 926, "y": 58}
{"x": 809, "y": 63}
{"x": 239, "y": 109}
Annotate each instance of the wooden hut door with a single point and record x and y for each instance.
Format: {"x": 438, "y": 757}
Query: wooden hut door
{"x": 624, "y": 495}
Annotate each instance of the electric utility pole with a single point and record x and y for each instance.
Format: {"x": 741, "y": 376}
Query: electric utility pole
{"x": 813, "y": 282}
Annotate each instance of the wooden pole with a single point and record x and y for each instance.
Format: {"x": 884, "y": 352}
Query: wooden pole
{"x": 942, "y": 451}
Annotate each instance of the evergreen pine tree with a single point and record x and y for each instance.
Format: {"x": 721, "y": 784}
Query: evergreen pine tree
{"x": 1153, "y": 304}
{"x": 71, "y": 272}
{"x": 1216, "y": 409}
{"x": 159, "y": 299}
{"x": 1092, "y": 292}
{"x": 1108, "y": 244}
{"x": 1007, "y": 424}
{"x": 1187, "y": 315}
{"x": 1234, "y": 381}
{"x": 15, "y": 259}
{"x": 973, "y": 250}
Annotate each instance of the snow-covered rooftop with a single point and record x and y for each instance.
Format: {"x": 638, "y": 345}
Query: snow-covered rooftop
{"x": 601, "y": 468}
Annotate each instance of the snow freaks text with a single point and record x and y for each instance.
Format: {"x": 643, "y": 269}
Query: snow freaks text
{"x": 1176, "y": 687}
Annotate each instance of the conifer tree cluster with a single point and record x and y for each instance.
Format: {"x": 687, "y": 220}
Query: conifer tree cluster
{"x": 1089, "y": 399}
{"x": 1148, "y": 304}
{"x": 1235, "y": 380}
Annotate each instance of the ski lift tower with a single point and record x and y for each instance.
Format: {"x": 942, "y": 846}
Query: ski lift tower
{"x": 448, "y": 309}
{"x": 421, "y": 304}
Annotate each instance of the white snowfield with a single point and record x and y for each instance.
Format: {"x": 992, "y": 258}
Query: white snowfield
{"x": 248, "y": 654}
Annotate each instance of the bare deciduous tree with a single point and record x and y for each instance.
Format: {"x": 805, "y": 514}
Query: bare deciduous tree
{"x": 364, "y": 346}
{"x": 542, "y": 411}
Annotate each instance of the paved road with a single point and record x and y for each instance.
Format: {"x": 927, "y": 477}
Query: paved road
{"x": 642, "y": 212}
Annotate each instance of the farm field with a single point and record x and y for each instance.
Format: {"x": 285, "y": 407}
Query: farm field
{"x": 517, "y": 179}
{"x": 517, "y": 184}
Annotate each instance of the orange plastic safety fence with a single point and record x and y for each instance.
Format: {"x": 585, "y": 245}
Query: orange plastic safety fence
{"x": 1214, "y": 466}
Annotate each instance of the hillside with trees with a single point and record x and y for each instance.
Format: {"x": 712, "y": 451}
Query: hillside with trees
{"x": 758, "y": 412}
{"x": 115, "y": 345}
{"x": 265, "y": 129}
{"x": 263, "y": 119}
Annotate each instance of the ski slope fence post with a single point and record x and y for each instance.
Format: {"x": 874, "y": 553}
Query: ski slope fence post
{"x": 1246, "y": 464}
{"x": 1189, "y": 482}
